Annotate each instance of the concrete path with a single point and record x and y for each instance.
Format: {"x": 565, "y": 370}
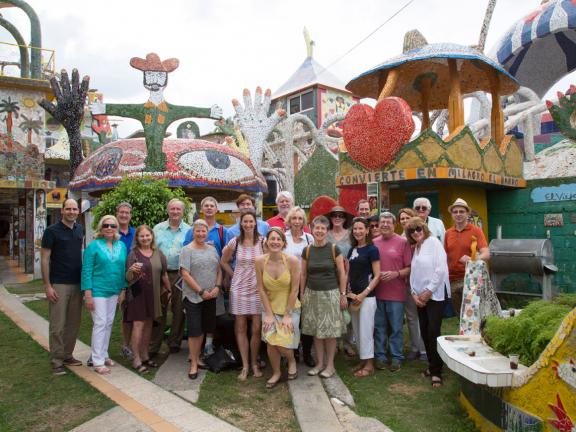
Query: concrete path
{"x": 173, "y": 376}
{"x": 151, "y": 405}
{"x": 311, "y": 404}
{"x": 116, "y": 419}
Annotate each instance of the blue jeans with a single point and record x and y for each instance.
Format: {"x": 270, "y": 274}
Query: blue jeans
{"x": 389, "y": 313}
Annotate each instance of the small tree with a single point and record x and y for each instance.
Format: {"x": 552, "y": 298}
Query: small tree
{"x": 148, "y": 198}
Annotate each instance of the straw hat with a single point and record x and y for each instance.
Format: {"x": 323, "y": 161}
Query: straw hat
{"x": 339, "y": 209}
{"x": 459, "y": 203}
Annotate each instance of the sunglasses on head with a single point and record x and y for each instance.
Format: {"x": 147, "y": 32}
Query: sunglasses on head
{"x": 413, "y": 230}
{"x": 420, "y": 208}
{"x": 109, "y": 225}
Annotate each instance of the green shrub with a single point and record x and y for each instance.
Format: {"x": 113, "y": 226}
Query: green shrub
{"x": 528, "y": 333}
{"x": 148, "y": 198}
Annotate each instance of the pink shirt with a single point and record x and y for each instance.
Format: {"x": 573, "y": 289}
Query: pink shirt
{"x": 395, "y": 255}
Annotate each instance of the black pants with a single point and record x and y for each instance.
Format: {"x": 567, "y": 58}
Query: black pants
{"x": 430, "y": 318}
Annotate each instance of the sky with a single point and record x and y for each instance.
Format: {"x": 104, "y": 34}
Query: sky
{"x": 225, "y": 46}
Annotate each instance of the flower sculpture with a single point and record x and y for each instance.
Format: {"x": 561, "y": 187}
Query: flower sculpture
{"x": 564, "y": 114}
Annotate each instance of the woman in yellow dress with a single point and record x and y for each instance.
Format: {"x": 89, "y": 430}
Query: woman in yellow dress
{"x": 277, "y": 279}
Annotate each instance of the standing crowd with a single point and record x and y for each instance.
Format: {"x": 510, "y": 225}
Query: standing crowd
{"x": 348, "y": 278}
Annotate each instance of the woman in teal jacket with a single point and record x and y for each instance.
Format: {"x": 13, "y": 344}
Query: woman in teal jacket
{"x": 103, "y": 278}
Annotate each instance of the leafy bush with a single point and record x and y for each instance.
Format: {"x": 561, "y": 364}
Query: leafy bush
{"x": 528, "y": 333}
{"x": 148, "y": 198}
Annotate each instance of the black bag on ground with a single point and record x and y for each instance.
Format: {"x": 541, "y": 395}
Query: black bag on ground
{"x": 222, "y": 359}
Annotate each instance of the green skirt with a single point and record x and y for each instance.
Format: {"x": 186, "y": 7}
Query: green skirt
{"x": 321, "y": 314}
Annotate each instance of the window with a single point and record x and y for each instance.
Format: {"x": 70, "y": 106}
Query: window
{"x": 302, "y": 102}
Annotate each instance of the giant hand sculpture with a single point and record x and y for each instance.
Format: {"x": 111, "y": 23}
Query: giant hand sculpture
{"x": 69, "y": 110}
{"x": 254, "y": 123}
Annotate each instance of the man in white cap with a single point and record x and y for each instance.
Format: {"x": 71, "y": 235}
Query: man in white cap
{"x": 458, "y": 243}
{"x": 422, "y": 207}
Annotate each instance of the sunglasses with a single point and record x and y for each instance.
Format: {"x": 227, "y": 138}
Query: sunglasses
{"x": 339, "y": 215}
{"x": 413, "y": 230}
{"x": 109, "y": 226}
{"x": 420, "y": 208}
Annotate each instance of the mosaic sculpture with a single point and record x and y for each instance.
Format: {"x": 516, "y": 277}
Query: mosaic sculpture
{"x": 564, "y": 112}
{"x": 155, "y": 114}
{"x": 69, "y": 109}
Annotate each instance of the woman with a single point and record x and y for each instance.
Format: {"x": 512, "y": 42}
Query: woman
{"x": 296, "y": 241}
{"x": 364, "y": 263}
{"x": 323, "y": 294}
{"x": 278, "y": 278}
{"x": 244, "y": 296}
{"x": 429, "y": 286}
{"x": 103, "y": 277}
{"x": 417, "y": 348}
{"x": 202, "y": 279}
{"x": 148, "y": 279}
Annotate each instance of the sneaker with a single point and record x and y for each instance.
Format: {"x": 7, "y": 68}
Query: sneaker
{"x": 423, "y": 357}
{"x": 59, "y": 371}
{"x": 72, "y": 362}
{"x": 412, "y": 355}
{"x": 127, "y": 353}
{"x": 395, "y": 366}
{"x": 380, "y": 364}
{"x": 208, "y": 350}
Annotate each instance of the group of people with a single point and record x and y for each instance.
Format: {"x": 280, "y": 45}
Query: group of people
{"x": 348, "y": 277}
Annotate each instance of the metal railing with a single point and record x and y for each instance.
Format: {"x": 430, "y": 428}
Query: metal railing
{"x": 14, "y": 61}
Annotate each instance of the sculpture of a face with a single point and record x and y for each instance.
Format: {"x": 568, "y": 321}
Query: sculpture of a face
{"x": 155, "y": 80}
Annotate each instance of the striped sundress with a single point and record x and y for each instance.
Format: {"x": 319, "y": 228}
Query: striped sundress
{"x": 244, "y": 295}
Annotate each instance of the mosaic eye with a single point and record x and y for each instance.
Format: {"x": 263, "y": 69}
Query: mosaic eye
{"x": 215, "y": 166}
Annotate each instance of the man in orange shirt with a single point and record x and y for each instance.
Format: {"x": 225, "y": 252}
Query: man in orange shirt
{"x": 458, "y": 243}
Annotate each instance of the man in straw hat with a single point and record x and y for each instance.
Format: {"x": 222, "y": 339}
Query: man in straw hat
{"x": 156, "y": 114}
{"x": 461, "y": 242}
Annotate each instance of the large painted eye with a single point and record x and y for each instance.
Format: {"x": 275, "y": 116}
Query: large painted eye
{"x": 215, "y": 166}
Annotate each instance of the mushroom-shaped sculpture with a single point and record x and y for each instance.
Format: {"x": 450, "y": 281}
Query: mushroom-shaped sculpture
{"x": 435, "y": 76}
{"x": 191, "y": 163}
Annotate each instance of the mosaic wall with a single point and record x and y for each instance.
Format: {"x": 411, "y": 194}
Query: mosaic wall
{"x": 334, "y": 102}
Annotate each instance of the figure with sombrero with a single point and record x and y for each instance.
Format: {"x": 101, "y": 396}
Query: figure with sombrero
{"x": 156, "y": 114}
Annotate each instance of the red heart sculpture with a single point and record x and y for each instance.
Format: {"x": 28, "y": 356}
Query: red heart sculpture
{"x": 373, "y": 137}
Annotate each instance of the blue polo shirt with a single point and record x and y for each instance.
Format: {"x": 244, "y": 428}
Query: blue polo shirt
{"x": 213, "y": 238}
{"x": 128, "y": 238}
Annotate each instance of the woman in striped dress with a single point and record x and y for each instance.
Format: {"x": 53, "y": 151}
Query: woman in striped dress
{"x": 245, "y": 301}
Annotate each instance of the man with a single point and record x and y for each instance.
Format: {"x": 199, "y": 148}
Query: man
{"x": 363, "y": 208}
{"x": 217, "y": 235}
{"x": 284, "y": 202}
{"x": 246, "y": 202}
{"x": 458, "y": 244}
{"x": 374, "y": 224}
{"x": 61, "y": 264}
{"x": 395, "y": 259}
{"x": 124, "y": 215}
{"x": 422, "y": 207}
{"x": 169, "y": 238}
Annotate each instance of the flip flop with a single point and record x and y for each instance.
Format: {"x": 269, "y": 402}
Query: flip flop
{"x": 436, "y": 381}
{"x": 272, "y": 384}
{"x": 150, "y": 363}
{"x": 141, "y": 369}
{"x": 363, "y": 373}
{"x": 292, "y": 376}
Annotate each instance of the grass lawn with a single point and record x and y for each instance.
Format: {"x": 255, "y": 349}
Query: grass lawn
{"x": 31, "y": 399}
{"x": 248, "y": 405}
{"x": 41, "y": 308}
{"x": 33, "y": 287}
{"x": 404, "y": 400}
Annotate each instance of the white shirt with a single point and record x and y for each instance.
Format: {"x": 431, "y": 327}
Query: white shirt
{"x": 296, "y": 249}
{"x": 436, "y": 227}
{"x": 429, "y": 269}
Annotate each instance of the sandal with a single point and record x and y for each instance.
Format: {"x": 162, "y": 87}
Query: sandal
{"x": 349, "y": 352}
{"x": 363, "y": 373}
{"x": 272, "y": 384}
{"x": 102, "y": 370}
{"x": 436, "y": 381}
{"x": 358, "y": 367}
{"x": 150, "y": 363}
{"x": 141, "y": 369}
{"x": 292, "y": 376}
{"x": 256, "y": 371}
{"x": 109, "y": 363}
{"x": 325, "y": 374}
{"x": 314, "y": 372}
{"x": 243, "y": 375}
